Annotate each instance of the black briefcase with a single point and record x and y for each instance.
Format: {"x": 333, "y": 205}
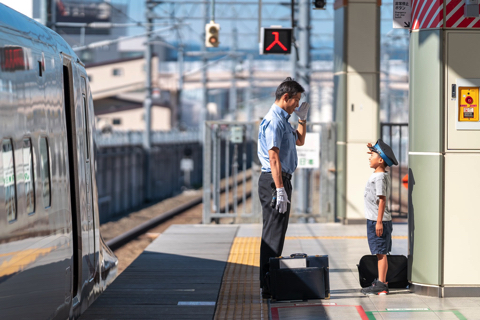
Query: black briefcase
{"x": 299, "y": 277}
{"x": 396, "y": 274}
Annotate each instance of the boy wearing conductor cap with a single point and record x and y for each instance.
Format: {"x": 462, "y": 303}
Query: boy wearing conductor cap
{"x": 379, "y": 219}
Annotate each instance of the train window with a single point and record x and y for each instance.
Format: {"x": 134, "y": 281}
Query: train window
{"x": 28, "y": 176}
{"x": 9, "y": 179}
{"x": 45, "y": 171}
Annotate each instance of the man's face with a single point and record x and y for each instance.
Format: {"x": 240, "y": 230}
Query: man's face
{"x": 293, "y": 102}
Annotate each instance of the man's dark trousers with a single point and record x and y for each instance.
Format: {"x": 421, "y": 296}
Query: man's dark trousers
{"x": 274, "y": 223}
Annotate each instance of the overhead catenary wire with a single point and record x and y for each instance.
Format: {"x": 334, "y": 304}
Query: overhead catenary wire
{"x": 108, "y": 42}
{"x": 121, "y": 11}
{"x": 106, "y": 25}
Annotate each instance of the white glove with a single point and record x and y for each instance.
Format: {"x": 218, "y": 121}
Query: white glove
{"x": 282, "y": 200}
{"x": 302, "y": 110}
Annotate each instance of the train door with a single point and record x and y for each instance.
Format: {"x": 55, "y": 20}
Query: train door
{"x": 87, "y": 163}
{"x": 80, "y": 175}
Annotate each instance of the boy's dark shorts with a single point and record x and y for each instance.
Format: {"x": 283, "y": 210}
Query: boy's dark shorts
{"x": 383, "y": 244}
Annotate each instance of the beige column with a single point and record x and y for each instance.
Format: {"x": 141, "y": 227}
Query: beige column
{"x": 356, "y": 99}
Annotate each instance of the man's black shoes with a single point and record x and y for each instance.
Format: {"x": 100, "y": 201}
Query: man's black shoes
{"x": 377, "y": 288}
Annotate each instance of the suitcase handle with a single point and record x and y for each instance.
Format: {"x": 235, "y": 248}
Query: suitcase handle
{"x": 298, "y": 255}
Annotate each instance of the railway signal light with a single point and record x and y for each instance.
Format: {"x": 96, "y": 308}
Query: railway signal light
{"x": 276, "y": 41}
{"x": 319, "y": 4}
{"x": 211, "y": 34}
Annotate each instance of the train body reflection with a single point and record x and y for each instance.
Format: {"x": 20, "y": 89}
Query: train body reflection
{"x": 53, "y": 261}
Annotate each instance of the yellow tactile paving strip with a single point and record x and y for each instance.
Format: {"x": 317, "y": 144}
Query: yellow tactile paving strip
{"x": 240, "y": 292}
{"x": 336, "y": 237}
{"x": 240, "y": 296}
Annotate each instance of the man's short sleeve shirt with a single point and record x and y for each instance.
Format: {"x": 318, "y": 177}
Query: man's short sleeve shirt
{"x": 276, "y": 131}
{"x": 378, "y": 185}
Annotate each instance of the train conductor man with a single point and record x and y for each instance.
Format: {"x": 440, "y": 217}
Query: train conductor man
{"x": 277, "y": 141}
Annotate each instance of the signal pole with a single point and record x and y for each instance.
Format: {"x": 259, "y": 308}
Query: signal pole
{"x": 233, "y": 87}
{"x": 249, "y": 90}
{"x": 181, "y": 57}
{"x": 203, "y": 112}
{"x": 303, "y": 71}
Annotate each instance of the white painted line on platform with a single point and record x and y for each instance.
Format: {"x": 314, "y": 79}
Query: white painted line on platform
{"x": 318, "y": 304}
{"x": 196, "y": 303}
{"x": 407, "y": 309}
{"x": 184, "y": 290}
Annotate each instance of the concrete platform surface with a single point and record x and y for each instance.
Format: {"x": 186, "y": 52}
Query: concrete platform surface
{"x": 211, "y": 272}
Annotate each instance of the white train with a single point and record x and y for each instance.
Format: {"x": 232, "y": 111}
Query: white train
{"x": 53, "y": 260}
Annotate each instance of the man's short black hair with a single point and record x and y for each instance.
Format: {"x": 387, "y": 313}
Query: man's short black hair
{"x": 289, "y": 86}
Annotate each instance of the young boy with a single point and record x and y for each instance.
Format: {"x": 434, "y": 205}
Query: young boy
{"x": 379, "y": 219}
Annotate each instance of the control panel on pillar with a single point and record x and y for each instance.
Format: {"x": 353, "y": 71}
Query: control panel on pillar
{"x": 466, "y": 93}
{"x": 468, "y": 104}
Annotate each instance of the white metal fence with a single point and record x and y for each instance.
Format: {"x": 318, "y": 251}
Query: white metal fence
{"x": 132, "y": 138}
{"x": 121, "y": 169}
{"x": 231, "y": 171}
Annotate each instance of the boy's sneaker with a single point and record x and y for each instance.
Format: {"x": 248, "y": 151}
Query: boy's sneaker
{"x": 377, "y": 288}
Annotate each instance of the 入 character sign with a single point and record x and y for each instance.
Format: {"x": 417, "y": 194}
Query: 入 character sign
{"x": 276, "y": 41}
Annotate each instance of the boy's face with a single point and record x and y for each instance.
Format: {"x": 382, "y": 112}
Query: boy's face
{"x": 375, "y": 160}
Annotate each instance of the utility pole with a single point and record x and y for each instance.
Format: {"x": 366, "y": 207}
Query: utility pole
{"x": 181, "y": 53}
{"x": 52, "y": 14}
{"x": 293, "y": 54}
{"x": 48, "y": 13}
{"x": 233, "y": 87}
{"x": 147, "y": 104}
{"x": 248, "y": 91}
{"x": 303, "y": 175}
{"x": 304, "y": 50}
{"x": 203, "y": 111}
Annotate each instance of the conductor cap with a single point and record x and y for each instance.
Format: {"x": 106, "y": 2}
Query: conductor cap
{"x": 385, "y": 152}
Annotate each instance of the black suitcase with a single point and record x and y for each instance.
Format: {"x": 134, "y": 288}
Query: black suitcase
{"x": 299, "y": 277}
{"x": 396, "y": 274}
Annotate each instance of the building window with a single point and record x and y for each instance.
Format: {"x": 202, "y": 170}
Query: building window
{"x": 9, "y": 179}
{"x": 45, "y": 171}
{"x": 117, "y": 121}
{"x": 89, "y": 78}
{"x": 28, "y": 177}
{"x": 117, "y": 72}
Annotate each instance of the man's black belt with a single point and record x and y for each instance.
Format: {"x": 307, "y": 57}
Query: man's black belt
{"x": 287, "y": 175}
{"x": 284, "y": 174}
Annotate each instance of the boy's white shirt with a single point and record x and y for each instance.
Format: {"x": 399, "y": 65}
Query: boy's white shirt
{"x": 377, "y": 185}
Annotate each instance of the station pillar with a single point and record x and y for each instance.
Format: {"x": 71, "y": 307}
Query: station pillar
{"x": 356, "y": 100}
{"x": 444, "y": 149}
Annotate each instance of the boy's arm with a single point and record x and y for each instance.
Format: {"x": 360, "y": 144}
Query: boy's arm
{"x": 381, "y": 210}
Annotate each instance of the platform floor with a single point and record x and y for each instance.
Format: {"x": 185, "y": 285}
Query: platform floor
{"x": 211, "y": 272}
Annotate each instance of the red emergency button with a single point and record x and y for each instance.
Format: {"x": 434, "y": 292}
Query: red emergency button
{"x": 469, "y": 100}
